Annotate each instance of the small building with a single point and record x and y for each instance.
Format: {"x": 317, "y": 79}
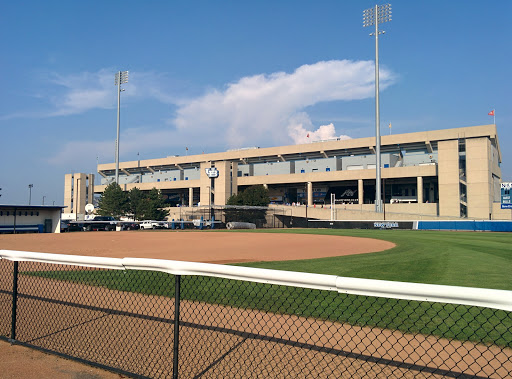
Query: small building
{"x": 30, "y": 218}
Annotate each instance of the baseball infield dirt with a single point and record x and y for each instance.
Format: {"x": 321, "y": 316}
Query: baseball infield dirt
{"x": 211, "y": 247}
{"x": 206, "y": 246}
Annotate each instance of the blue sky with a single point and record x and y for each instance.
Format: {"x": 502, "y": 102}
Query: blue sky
{"x": 214, "y": 75}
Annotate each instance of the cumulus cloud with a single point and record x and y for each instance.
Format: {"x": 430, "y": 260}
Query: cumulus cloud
{"x": 301, "y": 130}
{"x": 260, "y": 108}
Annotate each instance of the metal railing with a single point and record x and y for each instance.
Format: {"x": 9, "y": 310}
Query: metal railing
{"x": 158, "y": 318}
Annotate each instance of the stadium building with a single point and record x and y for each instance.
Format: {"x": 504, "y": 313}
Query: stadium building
{"x": 450, "y": 173}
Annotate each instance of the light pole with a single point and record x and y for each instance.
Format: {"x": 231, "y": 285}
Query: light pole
{"x": 209, "y": 201}
{"x": 121, "y": 78}
{"x": 43, "y": 199}
{"x": 373, "y": 17}
{"x": 30, "y": 193}
{"x": 76, "y": 197}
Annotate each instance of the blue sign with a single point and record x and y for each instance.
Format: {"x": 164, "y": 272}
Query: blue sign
{"x": 506, "y": 198}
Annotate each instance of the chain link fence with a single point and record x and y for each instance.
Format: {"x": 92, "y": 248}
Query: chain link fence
{"x": 199, "y": 320}
{"x": 262, "y": 217}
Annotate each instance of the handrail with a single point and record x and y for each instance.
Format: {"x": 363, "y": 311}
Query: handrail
{"x": 479, "y": 297}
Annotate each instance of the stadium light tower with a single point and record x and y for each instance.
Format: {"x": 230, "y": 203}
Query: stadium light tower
{"x": 121, "y": 78}
{"x": 373, "y": 17}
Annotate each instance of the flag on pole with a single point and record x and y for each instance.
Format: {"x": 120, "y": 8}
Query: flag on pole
{"x": 493, "y": 114}
{"x": 307, "y": 135}
{"x": 389, "y": 128}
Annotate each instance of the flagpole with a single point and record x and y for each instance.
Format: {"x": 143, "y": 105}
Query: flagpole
{"x": 494, "y": 115}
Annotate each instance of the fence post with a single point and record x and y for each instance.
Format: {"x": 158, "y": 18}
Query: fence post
{"x": 14, "y": 301}
{"x": 176, "y": 326}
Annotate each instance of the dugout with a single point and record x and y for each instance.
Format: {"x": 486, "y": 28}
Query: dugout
{"x": 30, "y": 218}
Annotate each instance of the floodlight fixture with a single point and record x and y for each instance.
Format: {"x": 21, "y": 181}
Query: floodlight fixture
{"x": 373, "y": 17}
{"x": 120, "y": 78}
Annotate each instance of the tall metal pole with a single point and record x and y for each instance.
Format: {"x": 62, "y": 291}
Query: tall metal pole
{"x": 378, "y": 201}
{"x": 76, "y": 197}
{"x": 374, "y": 17}
{"x": 30, "y": 193}
{"x": 121, "y": 78}
{"x": 118, "y": 121}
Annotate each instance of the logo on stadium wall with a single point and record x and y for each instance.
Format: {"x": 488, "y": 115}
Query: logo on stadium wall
{"x": 212, "y": 172}
{"x": 385, "y": 225}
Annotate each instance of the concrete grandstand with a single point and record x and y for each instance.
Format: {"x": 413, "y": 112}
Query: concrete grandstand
{"x": 439, "y": 174}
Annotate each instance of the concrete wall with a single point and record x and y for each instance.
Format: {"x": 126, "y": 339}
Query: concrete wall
{"x": 415, "y": 158}
{"x": 361, "y": 162}
{"x": 448, "y": 167}
{"x": 273, "y": 168}
{"x": 479, "y": 178}
{"x": 500, "y": 214}
{"x": 318, "y": 165}
{"x": 78, "y": 191}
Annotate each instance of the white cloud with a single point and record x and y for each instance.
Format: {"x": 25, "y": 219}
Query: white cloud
{"x": 301, "y": 130}
{"x": 79, "y": 93}
{"x": 257, "y": 109}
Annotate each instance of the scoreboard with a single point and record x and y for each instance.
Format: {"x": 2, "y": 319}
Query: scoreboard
{"x": 506, "y": 200}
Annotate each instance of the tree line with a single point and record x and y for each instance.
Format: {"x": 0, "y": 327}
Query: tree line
{"x": 151, "y": 205}
{"x": 141, "y": 205}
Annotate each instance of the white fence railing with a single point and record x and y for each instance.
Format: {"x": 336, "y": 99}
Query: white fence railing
{"x": 479, "y": 297}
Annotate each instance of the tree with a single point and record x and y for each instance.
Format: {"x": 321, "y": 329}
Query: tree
{"x": 136, "y": 203}
{"x": 256, "y": 196}
{"x": 153, "y": 206}
{"x": 113, "y": 202}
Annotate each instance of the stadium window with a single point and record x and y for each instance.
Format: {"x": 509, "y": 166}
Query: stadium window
{"x": 31, "y": 213}
{"x": 7, "y": 213}
{"x": 327, "y": 169}
{"x": 302, "y": 171}
{"x": 26, "y": 213}
{"x": 1, "y": 213}
{"x": 37, "y": 213}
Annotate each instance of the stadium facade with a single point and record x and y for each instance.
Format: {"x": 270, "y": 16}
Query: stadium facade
{"x": 450, "y": 173}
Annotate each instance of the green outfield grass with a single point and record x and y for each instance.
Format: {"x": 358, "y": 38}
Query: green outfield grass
{"x": 469, "y": 259}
